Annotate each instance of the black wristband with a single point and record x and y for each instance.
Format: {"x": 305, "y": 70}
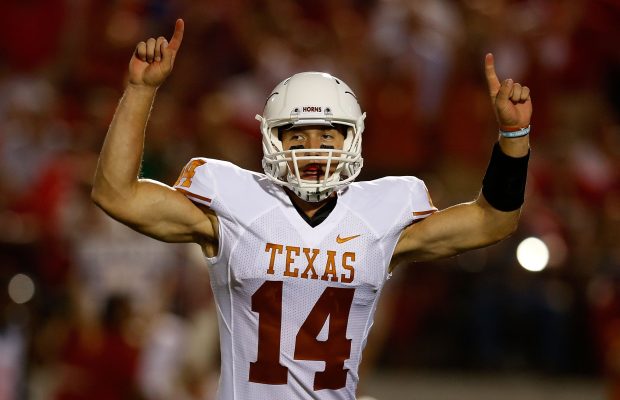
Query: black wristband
{"x": 503, "y": 185}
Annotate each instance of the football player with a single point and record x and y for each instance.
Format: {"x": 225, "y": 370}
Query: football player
{"x": 298, "y": 255}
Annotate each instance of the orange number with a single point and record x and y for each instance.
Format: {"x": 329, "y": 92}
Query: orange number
{"x": 267, "y": 302}
{"x": 188, "y": 173}
{"x": 334, "y": 303}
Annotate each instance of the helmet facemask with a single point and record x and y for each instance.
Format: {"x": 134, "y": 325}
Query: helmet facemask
{"x": 334, "y": 105}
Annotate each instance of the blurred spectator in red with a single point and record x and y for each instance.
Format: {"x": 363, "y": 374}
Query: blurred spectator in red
{"x": 31, "y": 32}
{"x": 101, "y": 364}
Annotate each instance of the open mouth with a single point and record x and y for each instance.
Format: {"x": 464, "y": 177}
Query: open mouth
{"x": 313, "y": 171}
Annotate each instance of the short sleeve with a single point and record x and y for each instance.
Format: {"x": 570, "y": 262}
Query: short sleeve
{"x": 420, "y": 199}
{"x": 197, "y": 181}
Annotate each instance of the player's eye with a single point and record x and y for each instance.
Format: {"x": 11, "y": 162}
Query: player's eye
{"x": 294, "y": 137}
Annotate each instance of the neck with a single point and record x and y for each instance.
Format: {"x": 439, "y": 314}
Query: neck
{"x": 308, "y": 207}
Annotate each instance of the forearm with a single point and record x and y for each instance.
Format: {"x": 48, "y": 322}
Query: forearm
{"x": 502, "y": 195}
{"x": 515, "y": 147}
{"x": 495, "y": 225}
{"x": 121, "y": 154}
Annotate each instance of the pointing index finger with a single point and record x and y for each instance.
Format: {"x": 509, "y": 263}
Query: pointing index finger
{"x": 177, "y": 36}
{"x": 489, "y": 70}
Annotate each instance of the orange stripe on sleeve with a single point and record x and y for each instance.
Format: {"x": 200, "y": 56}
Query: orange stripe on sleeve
{"x": 194, "y": 196}
{"x": 422, "y": 213}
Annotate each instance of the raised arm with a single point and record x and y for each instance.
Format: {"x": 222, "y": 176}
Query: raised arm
{"x": 148, "y": 206}
{"x": 494, "y": 214}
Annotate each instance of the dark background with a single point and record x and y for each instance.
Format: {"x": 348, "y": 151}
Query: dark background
{"x": 417, "y": 68}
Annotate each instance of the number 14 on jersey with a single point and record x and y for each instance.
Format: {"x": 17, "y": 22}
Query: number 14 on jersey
{"x": 335, "y": 303}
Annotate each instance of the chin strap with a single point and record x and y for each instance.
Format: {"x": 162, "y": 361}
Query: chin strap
{"x": 312, "y": 197}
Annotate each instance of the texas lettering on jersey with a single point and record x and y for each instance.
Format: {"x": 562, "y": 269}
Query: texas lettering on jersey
{"x": 338, "y": 268}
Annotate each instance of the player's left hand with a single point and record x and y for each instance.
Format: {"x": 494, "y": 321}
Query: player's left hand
{"x": 511, "y": 101}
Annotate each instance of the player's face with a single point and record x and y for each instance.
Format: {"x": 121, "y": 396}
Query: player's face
{"x": 313, "y": 137}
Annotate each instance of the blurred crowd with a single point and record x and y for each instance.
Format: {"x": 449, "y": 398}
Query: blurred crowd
{"x": 114, "y": 310}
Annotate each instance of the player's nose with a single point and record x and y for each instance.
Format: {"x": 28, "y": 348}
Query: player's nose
{"x": 314, "y": 142}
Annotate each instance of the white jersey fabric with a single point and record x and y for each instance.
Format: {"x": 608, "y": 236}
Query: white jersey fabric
{"x": 296, "y": 303}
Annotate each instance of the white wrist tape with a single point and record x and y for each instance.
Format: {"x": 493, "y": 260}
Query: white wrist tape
{"x": 517, "y": 133}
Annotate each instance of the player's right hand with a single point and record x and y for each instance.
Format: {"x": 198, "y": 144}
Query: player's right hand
{"x": 152, "y": 61}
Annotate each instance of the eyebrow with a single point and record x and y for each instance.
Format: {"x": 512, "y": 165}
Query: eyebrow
{"x": 322, "y": 130}
{"x": 300, "y": 130}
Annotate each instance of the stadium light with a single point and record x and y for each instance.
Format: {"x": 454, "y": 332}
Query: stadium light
{"x": 533, "y": 254}
{"x": 21, "y": 288}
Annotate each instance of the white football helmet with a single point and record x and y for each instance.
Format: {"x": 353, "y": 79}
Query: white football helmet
{"x": 312, "y": 98}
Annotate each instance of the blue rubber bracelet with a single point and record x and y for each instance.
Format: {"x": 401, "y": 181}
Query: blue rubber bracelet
{"x": 515, "y": 134}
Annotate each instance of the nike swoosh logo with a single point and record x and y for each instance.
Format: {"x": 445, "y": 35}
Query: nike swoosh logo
{"x": 345, "y": 239}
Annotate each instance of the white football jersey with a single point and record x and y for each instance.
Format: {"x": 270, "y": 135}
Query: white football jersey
{"x": 296, "y": 303}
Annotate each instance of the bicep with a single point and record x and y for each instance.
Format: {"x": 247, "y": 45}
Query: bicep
{"x": 160, "y": 211}
{"x": 454, "y": 230}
